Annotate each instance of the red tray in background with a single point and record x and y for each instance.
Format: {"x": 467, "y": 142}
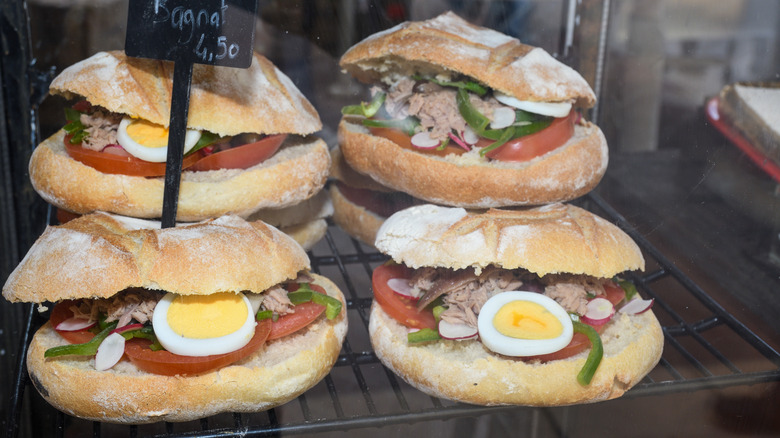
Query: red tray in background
{"x": 730, "y": 132}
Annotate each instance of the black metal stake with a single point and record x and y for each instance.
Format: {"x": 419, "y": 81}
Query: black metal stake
{"x": 180, "y": 104}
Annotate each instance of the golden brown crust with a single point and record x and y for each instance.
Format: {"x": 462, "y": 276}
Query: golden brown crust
{"x": 296, "y": 172}
{"x": 565, "y": 173}
{"x": 259, "y": 99}
{"x": 98, "y": 255}
{"x": 277, "y": 373}
{"x": 465, "y": 371}
{"x": 449, "y": 43}
{"x": 354, "y": 219}
{"x": 557, "y": 238}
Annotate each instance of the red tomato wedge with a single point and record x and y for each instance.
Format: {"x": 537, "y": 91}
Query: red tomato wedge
{"x": 399, "y": 308}
{"x": 241, "y": 157}
{"x": 61, "y": 312}
{"x": 120, "y": 165}
{"x": 305, "y": 314}
{"x": 520, "y": 149}
{"x": 169, "y": 364}
{"x": 539, "y": 143}
{"x": 579, "y": 342}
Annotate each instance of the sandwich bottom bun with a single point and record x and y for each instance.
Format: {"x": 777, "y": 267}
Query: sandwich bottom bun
{"x": 305, "y": 222}
{"x": 565, "y": 173}
{"x": 295, "y": 173}
{"x": 465, "y": 371}
{"x": 276, "y": 374}
{"x": 355, "y": 220}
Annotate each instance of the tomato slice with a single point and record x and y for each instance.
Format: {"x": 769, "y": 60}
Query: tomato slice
{"x": 169, "y": 364}
{"x": 520, "y": 149}
{"x": 405, "y": 141}
{"x": 118, "y": 164}
{"x": 305, "y": 314}
{"x": 61, "y": 312}
{"x": 399, "y": 308}
{"x": 241, "y": 157}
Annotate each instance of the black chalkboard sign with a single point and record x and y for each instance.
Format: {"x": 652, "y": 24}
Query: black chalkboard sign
{"x": 216, "y": 32}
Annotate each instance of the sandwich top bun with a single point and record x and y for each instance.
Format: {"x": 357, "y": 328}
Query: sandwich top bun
{"x": 98, "y": 255}
{"x": 449, "y": 43}
{"x": 557, "y": 238}
{"x": 225, "y": 101}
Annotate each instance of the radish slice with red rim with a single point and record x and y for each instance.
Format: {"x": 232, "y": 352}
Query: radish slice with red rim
{"x": 600, "y": 311}
{"x": 401, "y": 287}
{"x": 74, "y": 324}
{"x": 458, "y": 141}
{"x": 128, "y": 327}
{"x": 636, "y": 306}
{"x": 448, "y": 330}
{"x": 469, "y": 136}
{"x": 502, "y": 117}
{"x": 109, "y": 352}
{"x": 423, "y": 140}
{"x": 116, "y": 149}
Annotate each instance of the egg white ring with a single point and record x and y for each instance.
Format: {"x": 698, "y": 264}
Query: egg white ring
{"x": 509, "y": 346}
{"x": 181, "y": 345}
{"x": 553, "y": 109}
{"x": 153, "y": 155}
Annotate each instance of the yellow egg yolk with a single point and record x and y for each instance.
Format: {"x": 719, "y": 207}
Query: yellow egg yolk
{"x": 148, "y": 134}
{"x": 207, "y": 316}
{"x": 527, "y": 320}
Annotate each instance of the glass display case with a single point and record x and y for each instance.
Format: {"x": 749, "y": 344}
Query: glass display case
{"x": 703, "y": 205}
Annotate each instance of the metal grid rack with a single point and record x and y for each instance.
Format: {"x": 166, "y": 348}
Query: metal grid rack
{"x": 705, "y": 347}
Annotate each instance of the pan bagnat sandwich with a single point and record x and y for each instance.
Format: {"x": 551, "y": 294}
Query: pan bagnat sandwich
{"x": 178, "y": 323}
{"x": 467, "y": 116}
{"x": 247, "y": 146}
{"x": 511, "y": 306}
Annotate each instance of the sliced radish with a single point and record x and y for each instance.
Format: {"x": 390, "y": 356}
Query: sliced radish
{"x": 423, "y": 140}
{"x": 109, "y": 352}
{"x": 637, "y": 306}
{"x": 73, "y": 324}
{"x": 115, "y": 149}
{"x": 599, "y": 312}
{"x": 458, "y": 141}
{"x": 128, "y": 327}
{"x": 502, "y": 117}
{"x": 402, "y": 287}
{"x": 469, "y": 136}
{"x": 452, "y": 331}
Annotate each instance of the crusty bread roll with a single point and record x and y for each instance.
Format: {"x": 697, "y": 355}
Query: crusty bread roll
{"x": 466, "y": 371}
{"x": 223, "y": 100}
{"x": 356, "y": 220}
{"x": 296, "y": 172}
{"x": 305, "y": 222}
{"x": 98, "y": 255}
{"x": 557, "y": 238}
{"x": 554, "y": 239}
{"x": 562, "y": 174}
{"x": 449, "y": 43}
{"x": 275, "y": 374}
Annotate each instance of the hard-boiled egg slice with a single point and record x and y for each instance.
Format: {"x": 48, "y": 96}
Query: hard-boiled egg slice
{"x": 148, "y": 141}
{"x": 524, "y": 324}
{"x": 202, "y": 325}
{"x": 553, "y": 109}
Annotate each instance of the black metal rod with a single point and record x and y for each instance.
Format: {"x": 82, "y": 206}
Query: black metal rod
{"x": 180, "y": 104}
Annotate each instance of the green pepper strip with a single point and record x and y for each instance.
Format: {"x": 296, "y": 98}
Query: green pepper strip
{"x": 85, "y": 349}
{"x": 305, "y": 293}
{"x": 422, "y": 335}
{"x": 366, "y": 110}
{"x": 146, "y": 332}
{"x": 629, "y": 287}
{"x": 472, "y": 86}
{"x": 596, "y": 351}
{"x": 407, "y": 125}
{"x": 206, "y": 138}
